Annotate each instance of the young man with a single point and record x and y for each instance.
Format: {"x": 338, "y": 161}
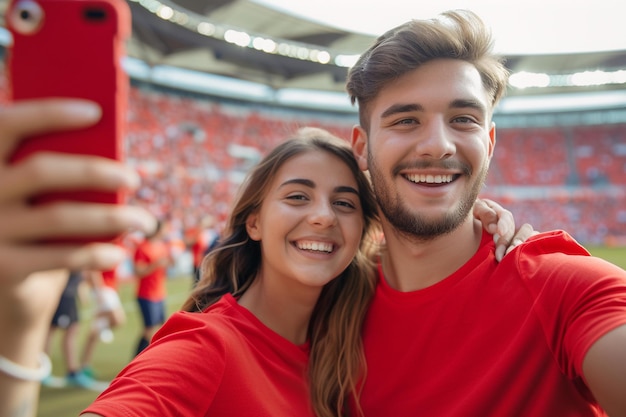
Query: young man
{"x": 451, "y": 332}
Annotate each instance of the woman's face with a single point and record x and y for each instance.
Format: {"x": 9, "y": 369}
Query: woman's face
{"x": 310, "y": 223}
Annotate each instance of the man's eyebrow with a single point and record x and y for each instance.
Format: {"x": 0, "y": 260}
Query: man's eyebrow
{"x": 460, "y": 103}
{"x": 463, "y": 103}
{"x": 401, "y": 108}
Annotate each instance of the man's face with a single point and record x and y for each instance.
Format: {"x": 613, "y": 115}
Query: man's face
{"x": 429, "y": 147}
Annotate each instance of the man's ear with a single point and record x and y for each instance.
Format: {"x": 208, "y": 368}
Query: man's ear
{"x": 359, "y": 146}
{"x": 492, "y": 139}
{"x": 253, "y": 228}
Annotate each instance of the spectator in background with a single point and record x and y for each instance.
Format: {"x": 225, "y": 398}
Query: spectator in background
{"x": 200, "y": 239}
{"x": 109, "y": 314}
{"x": 66, "y": 319}
{"x": 152, "y": 259}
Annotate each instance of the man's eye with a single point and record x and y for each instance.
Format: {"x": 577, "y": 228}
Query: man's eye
{"x": 464, "y": 119}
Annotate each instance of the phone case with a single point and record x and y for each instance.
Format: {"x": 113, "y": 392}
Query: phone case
{"x": 72, "y": 48}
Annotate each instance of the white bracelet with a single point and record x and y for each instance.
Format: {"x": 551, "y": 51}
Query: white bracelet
{"x": 27, "y": 374}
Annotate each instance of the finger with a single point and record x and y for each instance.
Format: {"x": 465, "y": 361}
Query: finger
{"x": 56, "y": 171}
{"x": 500, "y": 252}
{"x": 32, "y": 117}
{"x": 506, "y": 224}
{"x": 505, "y": 221}
{"x": 506, "y": 232}
{"x": 71, "y": 220}
{"x": 487, "y": 216}
{"x": 523, "y": 234}
{"x": 502, "y": 246}
{"x": 17, "y": 262}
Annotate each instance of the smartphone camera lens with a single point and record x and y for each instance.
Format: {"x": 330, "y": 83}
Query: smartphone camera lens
{"x": 26, "y": 17}
{"x": 94, "y": 14}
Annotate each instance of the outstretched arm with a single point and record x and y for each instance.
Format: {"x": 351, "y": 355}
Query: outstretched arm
{"x": 28, "y": 296}
{"x": 500, "y": 223}
{"x": 604, "y": 368}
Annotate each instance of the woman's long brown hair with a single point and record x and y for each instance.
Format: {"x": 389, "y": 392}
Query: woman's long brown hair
{"x": 337, "y": 362}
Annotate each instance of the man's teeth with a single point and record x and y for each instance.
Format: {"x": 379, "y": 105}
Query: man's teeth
{"x": 430, "y": 179}
{"x": 316, "y": 246}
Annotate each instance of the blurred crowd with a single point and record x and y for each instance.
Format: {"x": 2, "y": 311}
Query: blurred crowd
{"x": 193, "y": 152}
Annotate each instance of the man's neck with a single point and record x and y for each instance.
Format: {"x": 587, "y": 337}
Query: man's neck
{"x": 414, "y": 264}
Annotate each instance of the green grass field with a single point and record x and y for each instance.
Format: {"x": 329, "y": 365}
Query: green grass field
{"x": 614, "y": 255}
{"x": 110, "y": 358}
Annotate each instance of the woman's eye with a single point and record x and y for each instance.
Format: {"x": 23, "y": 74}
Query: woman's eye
{"x": 347, "y": 204}
{"x": 296, "y": 197}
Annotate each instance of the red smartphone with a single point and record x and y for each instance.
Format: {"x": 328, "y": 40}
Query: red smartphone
{"x": 72, "y": 48}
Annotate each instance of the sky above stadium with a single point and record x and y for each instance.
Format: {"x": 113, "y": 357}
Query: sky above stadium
{"x": 519, "y": 26}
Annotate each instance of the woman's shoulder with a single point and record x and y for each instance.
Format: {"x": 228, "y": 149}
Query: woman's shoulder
{"x": 217, "y": 324}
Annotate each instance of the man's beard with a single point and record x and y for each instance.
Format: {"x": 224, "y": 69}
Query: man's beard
{"x": 414, "y": 225}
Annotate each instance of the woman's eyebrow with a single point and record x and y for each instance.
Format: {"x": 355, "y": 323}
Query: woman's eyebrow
{"x": 302, "y": 181}
{"x": 311, "y": 184}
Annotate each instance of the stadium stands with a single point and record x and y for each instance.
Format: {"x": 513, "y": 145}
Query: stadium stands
{"x": 193, "y": 152}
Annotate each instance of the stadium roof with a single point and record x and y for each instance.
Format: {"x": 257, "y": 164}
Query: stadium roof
{"x": 539, "y": 27}
{"x": 190, "y": 34}
{"x": 159, "y": 41}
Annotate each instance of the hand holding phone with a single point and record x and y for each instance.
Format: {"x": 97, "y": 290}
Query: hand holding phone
{"x": 72, "y": 48}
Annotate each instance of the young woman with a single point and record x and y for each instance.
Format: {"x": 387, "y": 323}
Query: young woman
{"x": 282, "y": 297}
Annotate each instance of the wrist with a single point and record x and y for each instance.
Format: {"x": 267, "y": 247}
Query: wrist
{"x": 22, "y": 345}
{"x": 27, "y": 373}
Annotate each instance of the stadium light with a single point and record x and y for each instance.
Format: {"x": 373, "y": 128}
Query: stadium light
{"x": 527, "y": 79}
{"x": 174, "y": 13}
